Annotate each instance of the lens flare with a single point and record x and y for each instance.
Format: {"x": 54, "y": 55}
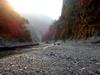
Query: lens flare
{"x": 51, "y": 8}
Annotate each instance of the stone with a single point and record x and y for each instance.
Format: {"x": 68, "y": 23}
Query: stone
{"x": 86, "y": 71}
{"x": 98, "y": 71}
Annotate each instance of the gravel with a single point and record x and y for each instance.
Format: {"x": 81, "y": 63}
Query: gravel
{"x": 70, "y": 58}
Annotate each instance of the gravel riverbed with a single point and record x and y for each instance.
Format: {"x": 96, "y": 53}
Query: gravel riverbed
{"x": 69, "y": 58}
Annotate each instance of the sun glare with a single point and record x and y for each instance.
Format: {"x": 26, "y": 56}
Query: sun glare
{"x": 51, "y": 8}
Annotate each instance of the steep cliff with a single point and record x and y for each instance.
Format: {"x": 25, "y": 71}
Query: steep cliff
{"x": 80, "y": 19}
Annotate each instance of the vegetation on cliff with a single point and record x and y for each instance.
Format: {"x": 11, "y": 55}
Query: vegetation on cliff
{"x": 12, "y": 25}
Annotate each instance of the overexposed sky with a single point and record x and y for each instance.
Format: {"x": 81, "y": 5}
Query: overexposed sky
{"x": 51, "y": 8}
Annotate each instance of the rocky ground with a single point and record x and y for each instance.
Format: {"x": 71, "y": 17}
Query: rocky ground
{"x": 70, "y": 58}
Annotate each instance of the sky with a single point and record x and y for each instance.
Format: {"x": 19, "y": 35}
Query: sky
{"x": 51, "y": 8}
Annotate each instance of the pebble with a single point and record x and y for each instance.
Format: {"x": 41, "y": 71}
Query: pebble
{"x": 86, "y": 71}
{"x": 25, "y": 67}
{"x": 98, "y": 71}
{"x": 98, "y": 63}
{"x": 20, "y": 69}
{"x": 53, "y": 61}
{"x": 98, "y": 67}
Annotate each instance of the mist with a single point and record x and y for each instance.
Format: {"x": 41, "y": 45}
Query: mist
{"x": 38, "y": 25}
{"x": 40, "y": 14}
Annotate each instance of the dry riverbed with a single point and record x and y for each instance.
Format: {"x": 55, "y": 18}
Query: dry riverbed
{"x": 68, "y": 58}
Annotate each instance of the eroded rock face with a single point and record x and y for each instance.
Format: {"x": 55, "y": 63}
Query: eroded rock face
{"x": 79, "y": 19}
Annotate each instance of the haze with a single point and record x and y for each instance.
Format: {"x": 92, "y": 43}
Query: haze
{"x": 40, "y": 13}
{"x": 51, "y": 8}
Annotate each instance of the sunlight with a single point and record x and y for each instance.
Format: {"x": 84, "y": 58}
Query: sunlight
{"x": 51, "y": 8}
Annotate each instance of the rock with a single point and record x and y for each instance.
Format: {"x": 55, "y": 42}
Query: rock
{"x": 7, "y": 69}
{"x": 25, "y": 67}
{"x": 86, "y": 71}
{"x": 52, "y": 54}
{"x": 13, "y": 65}
{"x": 54, "y": 44}
{"x": 37, "y": 72}
{"x": 20, "y": 69}
{"x": 98, "y": 67}
{"x": 98, "y": 71}
{"x": 98, "y": 63}
{"x": 58, "y": 43}
{"x": 94, "y": 60}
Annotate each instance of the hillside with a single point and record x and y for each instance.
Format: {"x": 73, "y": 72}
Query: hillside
{"x": 12, "y": 25}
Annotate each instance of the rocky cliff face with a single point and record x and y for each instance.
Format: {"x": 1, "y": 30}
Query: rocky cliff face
{"x": 79, "y": 20}
{"x": 12, "y": 25}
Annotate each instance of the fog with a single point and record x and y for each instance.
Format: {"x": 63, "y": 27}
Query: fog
{"x": 40, "y": 14}
{"x": 38, "y": 25}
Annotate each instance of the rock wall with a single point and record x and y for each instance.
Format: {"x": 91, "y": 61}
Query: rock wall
{"x": 79, "y": 20}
